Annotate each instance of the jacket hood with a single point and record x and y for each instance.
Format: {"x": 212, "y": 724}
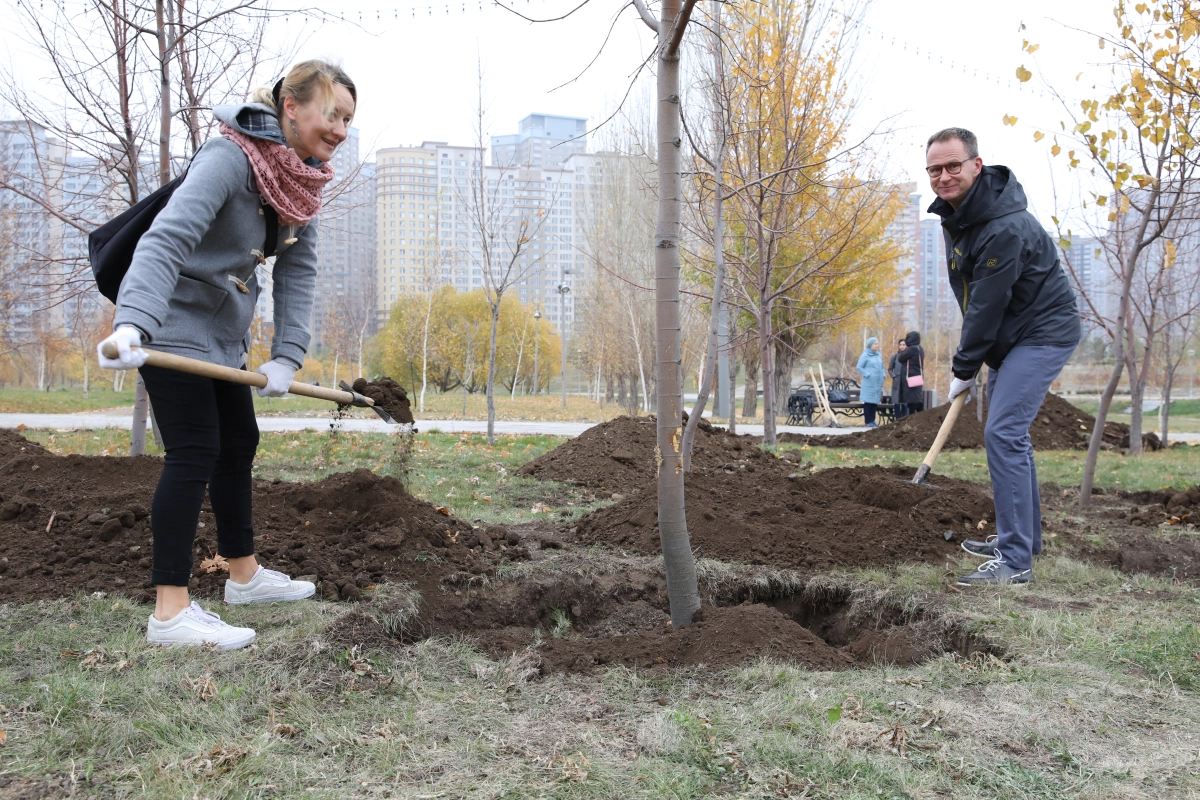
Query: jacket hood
{"x": 251, "y": 119}
{"x": 257, "y": 120}
{"x": 995, "y": 193}
{"x": 912, "y": 338}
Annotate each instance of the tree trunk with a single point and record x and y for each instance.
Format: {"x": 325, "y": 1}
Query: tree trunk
{"x": 164, "y": 76}
{"x": 425, "y": 352}
{"x": 750, "y": 389}
{"x": 491, "y": 378}
{"x": 766, "y": 352}
{"x": 141, "y": 407}
{"x": 1164, "y": 410}
{"x": 1137, "y": 393}
{"x": 680, "y": 566}
{"x": 785, "y": 359}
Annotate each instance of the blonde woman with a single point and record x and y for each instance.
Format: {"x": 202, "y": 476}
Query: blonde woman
{"x": 191, "y": 289}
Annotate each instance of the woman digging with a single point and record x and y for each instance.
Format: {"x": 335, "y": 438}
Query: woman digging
{"x": 191, "y": 289}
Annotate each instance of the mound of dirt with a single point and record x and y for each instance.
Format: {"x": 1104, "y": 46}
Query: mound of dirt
{"x": 388, "y": 395}
{"x": 81, "y": 523}
{"x": 843, "y": 517}
{"x": 1058, "y": 426}
{"x": 13, "y": 444}
{"x": 619, "y": 455}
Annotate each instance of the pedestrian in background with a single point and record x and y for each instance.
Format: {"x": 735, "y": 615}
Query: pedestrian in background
{"x": 191, "y": 289}
{"x": 910, "y": 363}
{"x": 870, "y": 367}
{"x": 899, "y": 410}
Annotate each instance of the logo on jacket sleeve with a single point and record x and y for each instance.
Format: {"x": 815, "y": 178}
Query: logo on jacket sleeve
{"x": 991, "y": 262}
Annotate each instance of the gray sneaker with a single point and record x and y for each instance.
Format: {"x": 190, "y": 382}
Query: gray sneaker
{"x": 984, "y": 549}
{"x": 996, "y": 572}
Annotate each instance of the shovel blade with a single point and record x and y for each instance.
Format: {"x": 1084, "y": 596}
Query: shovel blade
{"x": 361, "y": 402}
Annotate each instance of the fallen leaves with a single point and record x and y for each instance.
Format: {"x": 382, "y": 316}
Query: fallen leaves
{"x": 215, "y": 563}
{"x": 220, "y": 759}
{"x": 572, "y": 767}
{"x": 204, "y": 688}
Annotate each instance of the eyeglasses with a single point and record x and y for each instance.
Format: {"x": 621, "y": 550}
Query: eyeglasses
{"x": 953, "y": 167}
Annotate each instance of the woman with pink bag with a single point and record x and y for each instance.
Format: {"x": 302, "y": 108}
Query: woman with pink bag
{"x": 910, "y": 363}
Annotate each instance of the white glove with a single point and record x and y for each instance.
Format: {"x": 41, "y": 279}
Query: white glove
{"x": 125, "y": 338}
{"x": 958, "y": 386}
{"x": 279, "y": 379}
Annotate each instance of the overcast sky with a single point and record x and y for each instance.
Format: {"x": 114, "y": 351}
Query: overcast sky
{"x": 925, "y": 66}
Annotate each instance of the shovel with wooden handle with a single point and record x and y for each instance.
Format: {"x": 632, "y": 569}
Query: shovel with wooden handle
{"x": 203, "y": 368}
{"x": 943, "y": 434}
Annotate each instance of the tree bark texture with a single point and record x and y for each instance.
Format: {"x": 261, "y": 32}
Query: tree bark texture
{"x": 680, "y": 566}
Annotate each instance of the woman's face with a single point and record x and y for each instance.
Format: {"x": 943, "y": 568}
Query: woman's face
{"x": 903, "y": 345}
{"x": 875, "y": 346}
{"x": 313, "y": 133}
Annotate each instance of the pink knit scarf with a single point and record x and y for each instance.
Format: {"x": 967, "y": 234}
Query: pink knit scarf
{"x": 291, "y": 187}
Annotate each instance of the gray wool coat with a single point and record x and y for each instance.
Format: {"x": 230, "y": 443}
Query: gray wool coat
{"x": 192, "y": 285}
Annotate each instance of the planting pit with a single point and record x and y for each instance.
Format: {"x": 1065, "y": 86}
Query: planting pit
{"x": 580, "y": 623}
{"x": 1058, "y": 426}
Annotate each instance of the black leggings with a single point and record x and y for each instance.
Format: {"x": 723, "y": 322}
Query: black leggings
{"x": 869, "y": 413}
{"x": 211, "y": 436}
{"x": 916, "y": 408}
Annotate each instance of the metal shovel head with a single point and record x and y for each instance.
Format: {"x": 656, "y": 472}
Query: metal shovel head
{"x": 361, "y": 402}
{"x": 920, "y": 478}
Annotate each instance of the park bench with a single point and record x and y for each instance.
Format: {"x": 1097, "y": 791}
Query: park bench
{"x": 843, "y": 396}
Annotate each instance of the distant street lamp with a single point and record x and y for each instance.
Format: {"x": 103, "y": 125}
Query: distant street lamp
{"x": 563, "y": 290}
{"x": 537, "y": 317}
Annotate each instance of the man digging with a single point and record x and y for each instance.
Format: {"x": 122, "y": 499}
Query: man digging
{"x": 1019, "y": 318}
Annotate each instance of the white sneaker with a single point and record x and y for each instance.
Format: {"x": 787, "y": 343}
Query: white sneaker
{"x": 267, "y": 586}
{"x": 194, "y": 625}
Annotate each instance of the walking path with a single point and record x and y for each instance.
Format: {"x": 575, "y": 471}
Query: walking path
{"x": 101, "y": 419}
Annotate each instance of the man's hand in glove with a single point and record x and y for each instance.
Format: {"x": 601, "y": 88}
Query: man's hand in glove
{"x": 125, "y": 338}
{"x": 279, "y": 378}
{"x": 958, "y": 386}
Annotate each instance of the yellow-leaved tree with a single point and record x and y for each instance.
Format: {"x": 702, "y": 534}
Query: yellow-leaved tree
{"x": 1135, "y": 145}
{"x": 807, "y": 212}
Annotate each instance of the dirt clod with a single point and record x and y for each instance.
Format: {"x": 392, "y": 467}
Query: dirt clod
{"x": 388, "y": 395}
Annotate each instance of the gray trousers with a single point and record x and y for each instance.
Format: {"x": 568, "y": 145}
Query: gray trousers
{"x": 1015, "y": 393}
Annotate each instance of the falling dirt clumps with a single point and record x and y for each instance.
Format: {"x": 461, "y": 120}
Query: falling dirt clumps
{"x": 619, "y": 455}
{"x": 81, "y": 523}
{"x": 1058, "y": 426}
{"x": 836, "y": 518}
{"x": 388, "y": 395}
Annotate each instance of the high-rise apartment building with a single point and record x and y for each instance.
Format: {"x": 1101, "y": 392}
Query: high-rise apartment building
{"x": 905, "y": 230}
{"x": 445, "y": 217}
{"x": 344, "y": 302}
{"x": 939, "y": 307}
{"x": 43, "y": 258}
{"x": 1095, "y": 283}
{"x": 542, "y": 140}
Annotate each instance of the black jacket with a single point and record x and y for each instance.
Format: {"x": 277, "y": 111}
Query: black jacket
{"x": 909, "y": 363}
{"x": 1004, "y": 270}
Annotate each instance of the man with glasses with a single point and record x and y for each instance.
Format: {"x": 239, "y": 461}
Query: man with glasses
{"x": 1019, "y": 318}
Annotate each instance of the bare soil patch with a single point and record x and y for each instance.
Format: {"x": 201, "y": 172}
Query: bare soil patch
{"x": 81, "y": 523}
{"x": 1058, "y": 426}
{"x": 618, "y": 456}
{"x": 845, "y": 517}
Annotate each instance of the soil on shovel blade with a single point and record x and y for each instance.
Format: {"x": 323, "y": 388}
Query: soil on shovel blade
{"x": 1058, "y": 426}
{"x": 843, "y": 517}
{"x": 388, "y": 395}
{"x": 82, "y": 524}
{"x": 618, "y": 455}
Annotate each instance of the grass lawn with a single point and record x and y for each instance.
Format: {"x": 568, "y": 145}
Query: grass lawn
{"x": 1095, "y": 696}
